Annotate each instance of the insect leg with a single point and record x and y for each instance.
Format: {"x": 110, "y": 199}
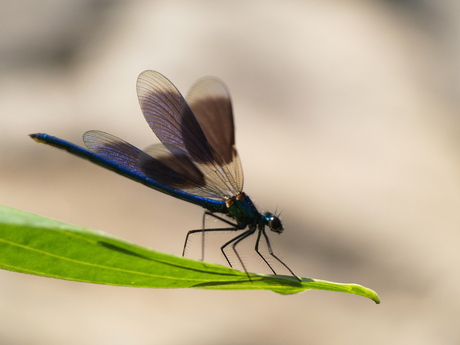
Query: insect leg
{"x": 203, "y": 230}
{"x": 269, "y": 247}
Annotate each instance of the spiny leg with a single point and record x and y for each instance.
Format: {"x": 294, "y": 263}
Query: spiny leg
{"x": 269, "y": 247}
{"x": 234, "y": 241}
{"x": 234, "y": 227}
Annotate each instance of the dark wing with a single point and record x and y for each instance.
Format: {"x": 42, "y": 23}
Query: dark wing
{"x": 174, "y": 123}
{"x": 114, "y": 149}
{"x": 162, "y": 169}
{"x": 210, "y": 102}
{"x": 167, "y": 167}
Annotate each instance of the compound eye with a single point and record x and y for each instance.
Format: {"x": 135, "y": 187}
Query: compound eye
{"x": 274, "y": 223}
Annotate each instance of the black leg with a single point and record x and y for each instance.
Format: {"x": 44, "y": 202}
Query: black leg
{"x": 234, "y": 241}
{"x": 269, "y": 247}
{"x": 203, "y": 230}
{"x": 237, "y": 240}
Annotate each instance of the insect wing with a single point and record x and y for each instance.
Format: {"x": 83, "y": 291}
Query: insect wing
{"x": 161, "y": 169}
{"x": 210, "y": 102}
{"x": 174, "y": 123}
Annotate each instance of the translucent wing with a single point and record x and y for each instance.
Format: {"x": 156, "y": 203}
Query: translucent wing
{"x": 189, "y": 177}
{"x": 174, "y": 123}
{"x": 210, "y": 102}
{"x": 184, "y": 175}
{"x": 168, "y": 167}
{"x": 113, "y": 149}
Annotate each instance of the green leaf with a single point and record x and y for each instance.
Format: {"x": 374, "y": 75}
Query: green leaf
{"x": 36, "y": 245}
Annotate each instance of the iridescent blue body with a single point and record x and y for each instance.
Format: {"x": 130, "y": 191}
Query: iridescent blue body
{"x": 209, "y": 204}
{"x": 197, "y": 161}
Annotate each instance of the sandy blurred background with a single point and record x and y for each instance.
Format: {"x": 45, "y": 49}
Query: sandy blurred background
{"x": 347, "y": 122}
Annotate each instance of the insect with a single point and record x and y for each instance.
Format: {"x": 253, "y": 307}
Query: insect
{"x": 196, "y": 162}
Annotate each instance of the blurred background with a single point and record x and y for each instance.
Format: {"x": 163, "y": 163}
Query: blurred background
{"x": 347, "y": 122}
